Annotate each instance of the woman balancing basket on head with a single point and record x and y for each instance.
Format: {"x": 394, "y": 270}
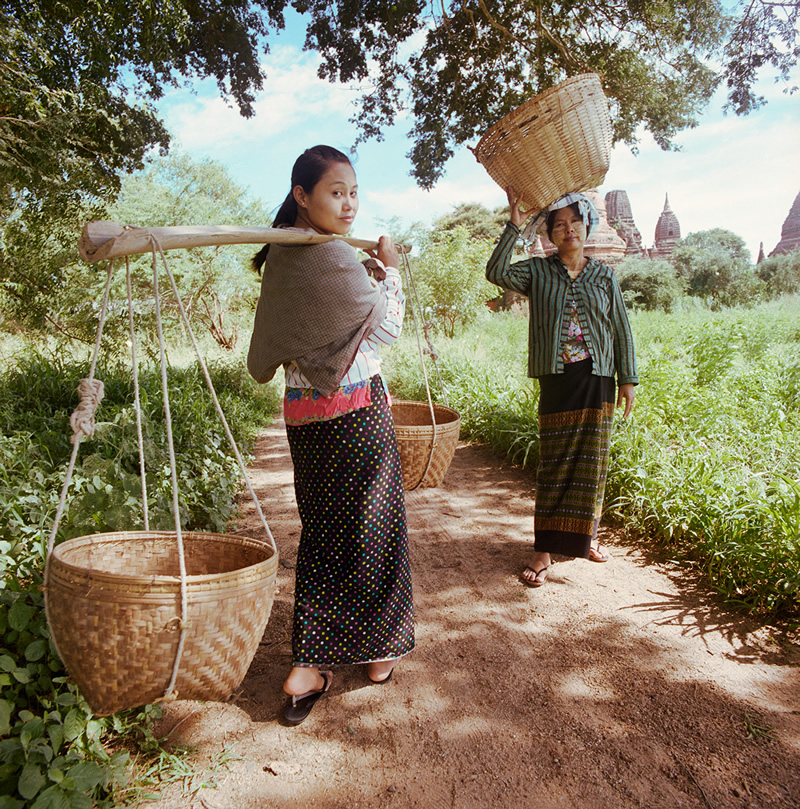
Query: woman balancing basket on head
{"x": 323, "y": 315}
{"x": 580, "y": 338}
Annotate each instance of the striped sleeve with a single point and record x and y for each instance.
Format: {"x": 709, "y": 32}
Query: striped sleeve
{"x": 501, "y": 271}
{"x": 391, "y": 326}
{"x": 624, "y": 354}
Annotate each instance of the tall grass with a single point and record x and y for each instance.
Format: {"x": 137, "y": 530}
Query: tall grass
{"x": 707, "y": 467}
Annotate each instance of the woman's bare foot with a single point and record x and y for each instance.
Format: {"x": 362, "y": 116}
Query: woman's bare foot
{"x": 302, "y": 680}
{"x": 535, "y": 574}
{"x": 381, "y": 671}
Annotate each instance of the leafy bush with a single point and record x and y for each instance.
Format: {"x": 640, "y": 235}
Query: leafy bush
{"x": 450, "y": 278}
{"x": 715, "y": 266}
{"x": 54, "y": 752}
{"x": 780, "y": 274}
{"x": 649, "y": 284}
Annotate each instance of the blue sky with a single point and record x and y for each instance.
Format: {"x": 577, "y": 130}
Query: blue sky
{"x": 742, "y": 174}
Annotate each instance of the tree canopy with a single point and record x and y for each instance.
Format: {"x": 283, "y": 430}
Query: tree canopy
{"x": 78, "y": 81}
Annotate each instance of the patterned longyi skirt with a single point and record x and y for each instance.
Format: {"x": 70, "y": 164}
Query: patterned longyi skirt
{"x": 353, "y": 598}
{"x": 576, "y": 410}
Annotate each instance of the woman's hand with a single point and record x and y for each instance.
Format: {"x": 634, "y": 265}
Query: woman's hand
{"x": 386, "y": 252}
{"x": 517, "y": 216}
{"x": 628, "y": 394}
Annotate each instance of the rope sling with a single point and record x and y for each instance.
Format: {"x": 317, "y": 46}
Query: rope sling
{"x": 427, "y": 434}
{"x": 82, "y": 423}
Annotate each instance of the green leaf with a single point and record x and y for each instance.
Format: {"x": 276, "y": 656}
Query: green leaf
{"x": 5, "y": 717}
{"x": 86, "y": 775}
{"x": 31, "y": 781}
{"x": 7, "y": 663}
{"x": 73, "y": 725}
{"x": 7, "y": 802}
{"x": 56, "y": 734}
{"x": 19, "y": 615}
{"x": 36, "y": 650}
{"x": 21, "y": 675}
{"x": 55, "y": 774}
{"x": 52, "y": 798}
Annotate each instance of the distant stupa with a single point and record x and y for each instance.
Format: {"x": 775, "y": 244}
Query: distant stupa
{"x": 620, "y": 217}
{"x": 668, "y": 232}
{"x": 790, "y": 232}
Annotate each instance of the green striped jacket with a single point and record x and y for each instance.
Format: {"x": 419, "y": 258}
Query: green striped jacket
{"x": 601, "y": 310}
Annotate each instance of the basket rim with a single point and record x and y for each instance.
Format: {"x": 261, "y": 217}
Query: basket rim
{"x": 436, "y": 406}
{"x": 158, "y": 578}
{"x": 588, "y": 78}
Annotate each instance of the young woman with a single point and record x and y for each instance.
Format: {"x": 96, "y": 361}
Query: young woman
{"x": 323, "y": 316}
{"x": 579, "y": 340}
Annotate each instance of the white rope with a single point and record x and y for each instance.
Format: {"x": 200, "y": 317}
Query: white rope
{"x": 82, "y": 426}
{"x": 412, "y": 290}
{"x": 136, "y": 399}
{"x": 183, "y": 619}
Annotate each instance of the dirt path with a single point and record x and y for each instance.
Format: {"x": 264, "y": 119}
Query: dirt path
{"x": 616, "y": 685}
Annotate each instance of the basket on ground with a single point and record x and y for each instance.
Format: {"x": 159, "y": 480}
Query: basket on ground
{"x": 425, "y": 464}
{"x": 556, "y": 143}
{"x": 114, "y": 600}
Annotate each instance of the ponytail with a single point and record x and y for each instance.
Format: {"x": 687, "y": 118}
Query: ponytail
{"x": 287, "y": 215}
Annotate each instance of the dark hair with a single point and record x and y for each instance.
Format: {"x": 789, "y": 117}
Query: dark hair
{"x": 551, "y": 218}
{"x": 306, "y": 172}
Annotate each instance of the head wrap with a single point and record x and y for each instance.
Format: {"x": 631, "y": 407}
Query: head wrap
{"x": 586, "y": 209}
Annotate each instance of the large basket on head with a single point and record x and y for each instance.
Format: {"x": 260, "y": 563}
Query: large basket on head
{"x": 556, "y": 143}
{"x": 114, "y": 604}
{"x": 425, "y": 462}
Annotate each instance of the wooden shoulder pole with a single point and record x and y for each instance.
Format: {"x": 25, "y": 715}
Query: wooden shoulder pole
{"x": 102, "y": 239}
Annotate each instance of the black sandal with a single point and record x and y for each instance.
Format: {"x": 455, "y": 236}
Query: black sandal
{"x": 535, "y": 581}
{"x": 299, "y": 707}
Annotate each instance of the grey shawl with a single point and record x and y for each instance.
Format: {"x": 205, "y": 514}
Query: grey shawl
{"x": 317, "y": 304}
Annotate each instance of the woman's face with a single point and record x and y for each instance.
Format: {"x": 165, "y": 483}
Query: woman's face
{"x": 569, "y": 232}
{"x": 332, "y": 205}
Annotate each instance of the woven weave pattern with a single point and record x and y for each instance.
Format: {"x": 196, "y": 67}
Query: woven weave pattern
{"x": 556, "y": 143}
{"x": 114, "y": 605}
{"x": 414, "y": 430}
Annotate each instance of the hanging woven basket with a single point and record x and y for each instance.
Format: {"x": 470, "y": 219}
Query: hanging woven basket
{"x": 425, "y": 454}
{"x": 114, "y": 603}
{"x": 558, "y": 142}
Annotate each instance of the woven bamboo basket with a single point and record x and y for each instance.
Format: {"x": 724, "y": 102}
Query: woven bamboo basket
{"x": 414, "y": 430}
{"x": 555, "y": 143}
{"x": 114, "y": 600}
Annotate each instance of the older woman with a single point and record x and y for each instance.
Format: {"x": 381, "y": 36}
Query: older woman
{"x": 579, "y": 340}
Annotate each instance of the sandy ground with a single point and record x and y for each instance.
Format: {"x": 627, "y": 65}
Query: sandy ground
{"x": 615, "y": 685}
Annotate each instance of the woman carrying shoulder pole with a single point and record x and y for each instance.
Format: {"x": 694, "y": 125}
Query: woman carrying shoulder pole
{"x": 323, "y": 316}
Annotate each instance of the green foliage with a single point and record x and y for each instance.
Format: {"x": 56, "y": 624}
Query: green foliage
{"x": 715, "y": 265}
{"x": 450, "y": 278}
{"x": 780, "y": 274}
{"x": 216, "y": 285}
{"x": 766, "y": 33}
{"x": 649, "y": 284}
{"x": 53, "y": 751}
{"x": 76, "y": 82}
{"x": 476, "y": 219}
{"x": 706, "y": 467}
